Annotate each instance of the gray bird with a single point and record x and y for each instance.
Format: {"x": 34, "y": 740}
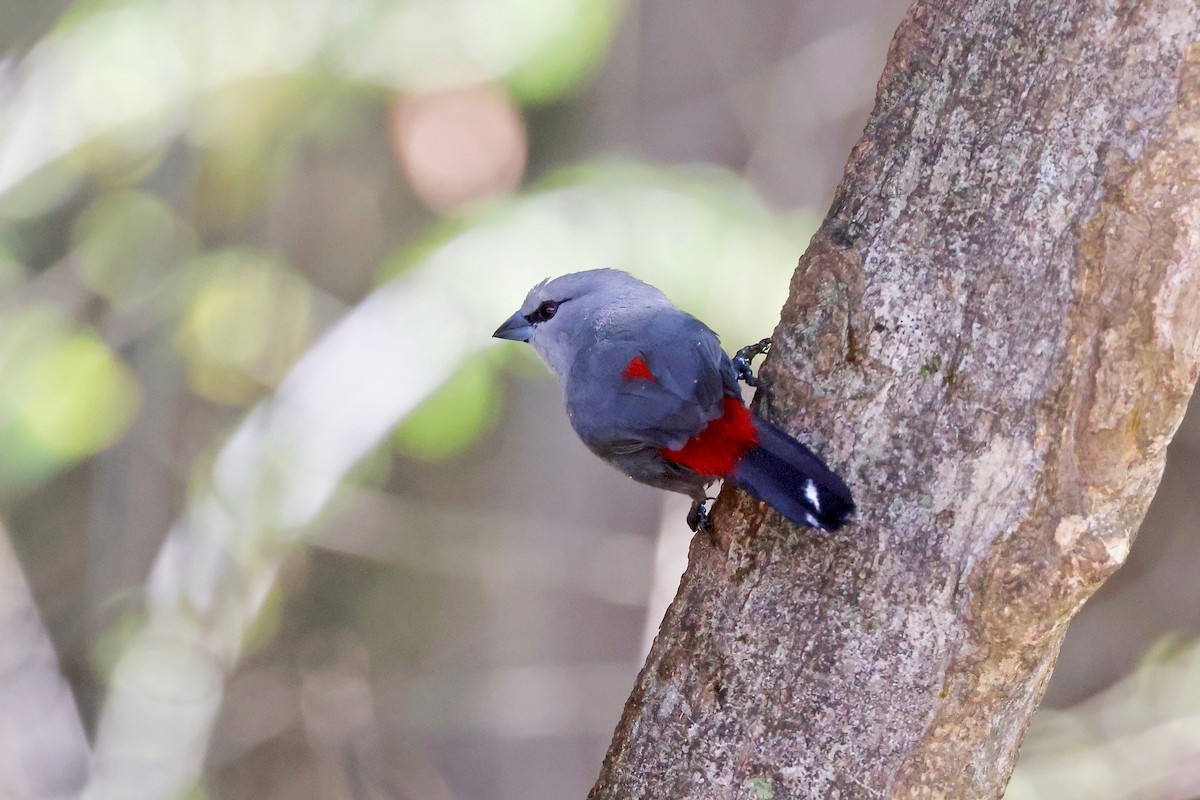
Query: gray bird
{"x": 649, "y": 390}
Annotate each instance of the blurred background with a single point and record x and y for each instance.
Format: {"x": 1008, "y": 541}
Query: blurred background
{"x": 279, "y": 520}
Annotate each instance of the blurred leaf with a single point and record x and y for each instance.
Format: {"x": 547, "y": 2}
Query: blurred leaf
{"x": 427, "y": 242}
{"x": 575, "y": 37}
{"x": 524, "y": 363}
{"x": 455, "y": 415}
{"x": 248, "y": 133}
{"x": 197, "y": 792}
{"x": 112, "y": 164}
{"x": 372, "y": 470}
{"x": 12, "y": 272}
{"x": 108, "y": 85}
{"x": 80, "y": 12}
{"x": 543, "y": 48}
{"x": 262, "y": 629}
{"x": 111, "y": 642}
{"x": 41, "y": 191}
{"x": 126, "y": 242}
{"x": 121, "y": 78}
{"x": 246, "y": 320}
{"x": 66, "y": 396}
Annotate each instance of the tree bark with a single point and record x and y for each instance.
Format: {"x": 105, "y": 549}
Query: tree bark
{"x": 993, "y": 337}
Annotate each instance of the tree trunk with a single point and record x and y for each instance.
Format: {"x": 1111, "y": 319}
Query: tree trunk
{"x": 993, "y": 337}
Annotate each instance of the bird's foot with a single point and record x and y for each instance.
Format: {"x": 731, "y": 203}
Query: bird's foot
{"x": 741, "y": 362}
{"x": 697, "y": 517}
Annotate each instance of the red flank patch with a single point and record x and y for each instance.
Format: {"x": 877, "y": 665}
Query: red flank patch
{"x": 637, "y": 369}
{"x": 718, "y": 448}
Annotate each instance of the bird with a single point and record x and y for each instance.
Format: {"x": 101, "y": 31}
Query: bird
{"x": 649, "y": 389}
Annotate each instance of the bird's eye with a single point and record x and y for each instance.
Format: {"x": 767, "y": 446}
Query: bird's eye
{"x": 547, "y": 310}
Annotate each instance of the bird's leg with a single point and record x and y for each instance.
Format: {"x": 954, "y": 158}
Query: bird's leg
{"x": 697, "y": 518}
{"x": 741, "y": 361}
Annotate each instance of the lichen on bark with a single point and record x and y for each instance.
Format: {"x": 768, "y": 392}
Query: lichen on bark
{"x": 993, "y": 336}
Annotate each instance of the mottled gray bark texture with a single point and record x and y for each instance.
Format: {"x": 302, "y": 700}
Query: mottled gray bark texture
{"x": 993, "y": 337}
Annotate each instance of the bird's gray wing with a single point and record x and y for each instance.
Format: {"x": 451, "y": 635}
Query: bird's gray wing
{"x": 615, "y": 413}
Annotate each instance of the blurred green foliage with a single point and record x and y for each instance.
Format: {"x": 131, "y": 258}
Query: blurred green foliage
{"x": 566, "y": 42}
{"x": 126, "y": 243}
{"x": 90, "y": 121}
{"x": 125, "y": 76}
{"x": 249, "y": 132}
{"x": 214, "y": 191}
{"x": 66, "y": 395}
{"x": 12, "y": 272}
{"x": 456, "y": 414}
{"x": 245, "y": 320}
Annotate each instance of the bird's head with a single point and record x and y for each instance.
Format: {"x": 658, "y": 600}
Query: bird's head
{"x": 562, "y": 315}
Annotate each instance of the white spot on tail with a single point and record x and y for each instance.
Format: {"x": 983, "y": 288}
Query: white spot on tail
{"x": 810, "y": 491}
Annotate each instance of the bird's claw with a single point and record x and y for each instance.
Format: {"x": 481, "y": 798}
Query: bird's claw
{"x": 741, "y": 361}
{"x": 697, "y": 517}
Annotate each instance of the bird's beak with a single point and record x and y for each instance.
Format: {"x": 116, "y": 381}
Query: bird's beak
{"x": 516, "y": 328}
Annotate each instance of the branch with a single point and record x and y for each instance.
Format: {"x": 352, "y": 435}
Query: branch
{"x": 993, "y": 337}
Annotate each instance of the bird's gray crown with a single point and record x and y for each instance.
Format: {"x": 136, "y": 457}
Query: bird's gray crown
{"x": 590, "y": 305}
{"x": 597, "y": 286}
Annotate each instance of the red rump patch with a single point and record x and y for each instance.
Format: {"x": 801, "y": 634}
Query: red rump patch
{"x": 718, "y": 448}
{"x": 635, "y": 369}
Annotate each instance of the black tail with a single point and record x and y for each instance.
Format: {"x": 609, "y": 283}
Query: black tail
{"x": 790, "y": 478}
